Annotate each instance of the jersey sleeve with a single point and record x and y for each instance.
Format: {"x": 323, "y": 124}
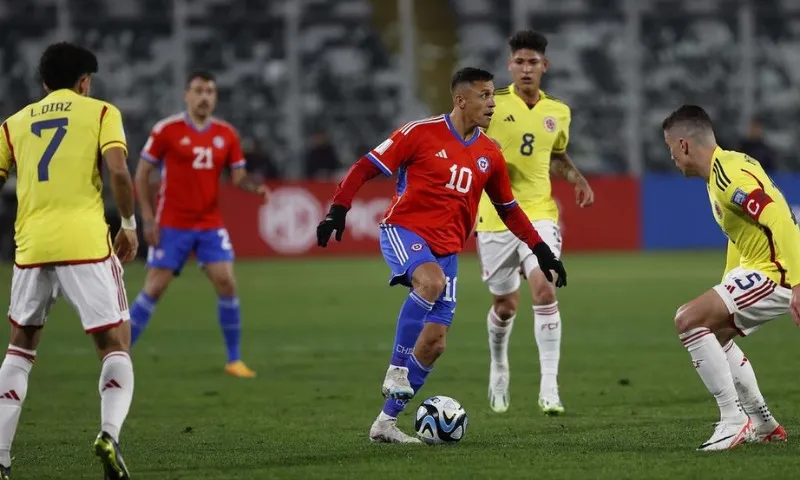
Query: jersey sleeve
{"x": 235, "y": 155}
{"x": 498, "y": 186}
{"x": 112, "y": 133}
{"x": 562, "y": 139}
{"x": 155, "y": 147}
{"x": 394, "y": 151}
{"x": 6, "y": 151}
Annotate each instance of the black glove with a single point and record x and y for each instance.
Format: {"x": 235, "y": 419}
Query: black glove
{"x": 547, "y": 262}
{"x": 333, "y": 221}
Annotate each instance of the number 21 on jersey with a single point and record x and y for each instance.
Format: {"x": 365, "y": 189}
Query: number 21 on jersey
{"x": 461, "y": 184}
{"x": 203, "y": 158}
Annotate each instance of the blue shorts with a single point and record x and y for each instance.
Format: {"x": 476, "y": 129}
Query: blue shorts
{"x": 175, "y": 245}
{"x": 404, "y": 251}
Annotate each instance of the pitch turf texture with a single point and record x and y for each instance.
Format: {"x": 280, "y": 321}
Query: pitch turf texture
{"x": 319, "y": 334}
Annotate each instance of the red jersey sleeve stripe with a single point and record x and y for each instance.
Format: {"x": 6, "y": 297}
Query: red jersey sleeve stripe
{"x": 505, "y": 205}
{"x": 8, "y": 140}
{"x": 240, "y": 164}
{"x": 383, "y": 168}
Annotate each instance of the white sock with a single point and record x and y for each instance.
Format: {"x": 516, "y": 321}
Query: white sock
{"x": 547, "y": 330}
{"x": 712, "y": 365}
{"x": 13, "y": 388}
{"x": 499, "y": 333}
{"x": 116, "y": 392}
{"x": 744, "y": 379}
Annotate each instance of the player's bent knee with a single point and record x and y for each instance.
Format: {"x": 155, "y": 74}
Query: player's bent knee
{"x": 685, "y": 319}
{"x": 429, "y": 281}
{"x": 115, "y": 339}
{"x": 225, "y": 286}
{"x": 157, "y": 281}
{"x": 542, "y": 291}
{"x": 505, "y": 307}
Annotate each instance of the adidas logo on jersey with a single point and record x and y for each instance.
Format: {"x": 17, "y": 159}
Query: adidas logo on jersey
{"x": 509, "y": 118}
{"x": 442, "y": 154}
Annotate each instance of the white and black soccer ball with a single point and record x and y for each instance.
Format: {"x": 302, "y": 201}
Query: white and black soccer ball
{"x": 441, "y": 419}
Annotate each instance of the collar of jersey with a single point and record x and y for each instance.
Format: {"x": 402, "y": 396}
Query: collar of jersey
{"x": 195, "y": 127}
{"x": 513, "y": 91}
{"x": 62, "y": 91}
{"x": 452, "y": 129}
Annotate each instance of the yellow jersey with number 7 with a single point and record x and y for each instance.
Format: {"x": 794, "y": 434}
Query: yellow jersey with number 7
{"x": 527, "y": 137}
{"x": 56, "y": 146}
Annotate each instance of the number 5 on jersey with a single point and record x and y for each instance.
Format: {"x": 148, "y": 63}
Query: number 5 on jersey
{"x": 59, "y": 124}
{"x": 464, "y": 180}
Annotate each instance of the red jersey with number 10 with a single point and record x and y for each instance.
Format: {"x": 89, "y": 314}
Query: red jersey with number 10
{"x": 191, "y": 161}
{"x": 440, "y": 180}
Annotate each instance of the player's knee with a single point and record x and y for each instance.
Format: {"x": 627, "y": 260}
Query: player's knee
{"x": 684, "y": 319}
{"x": 505, "y": 307}
{"x": 543, "y": 292}
{"x": 431, "y": 284}
{"x": 225, "y": 286}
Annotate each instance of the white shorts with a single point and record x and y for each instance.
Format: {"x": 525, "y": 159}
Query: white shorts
{"x": 95, "y": 290}
{"x": 752, "y": 298}
{"x": 502, "y": 254}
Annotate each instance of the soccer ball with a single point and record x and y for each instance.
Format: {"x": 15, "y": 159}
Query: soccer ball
{"x": 441, "y": 419}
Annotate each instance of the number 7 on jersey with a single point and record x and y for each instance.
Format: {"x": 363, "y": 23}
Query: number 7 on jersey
{"x": 59, "y": 124}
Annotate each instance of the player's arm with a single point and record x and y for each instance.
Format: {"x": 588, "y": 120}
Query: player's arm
{"x": 498, "y": 188}
{"x": 238, "y": 165}
{"x": 114, "y": 149}
{"x": 732, "y": 258}
{"x": 149, "y": 162}
{"x": 562, "y": 166}
{"x": 386, "y": 158}
{"x": 6, "y": 154}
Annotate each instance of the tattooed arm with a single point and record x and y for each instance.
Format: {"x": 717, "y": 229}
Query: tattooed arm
{"x": 561, "y": 166}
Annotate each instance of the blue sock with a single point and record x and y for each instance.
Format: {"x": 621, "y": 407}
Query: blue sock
{"x": 417, "y": 373}
{"x": 141, "y": 311}
{"x": 230, "y": 321}
{"x": 409, "y": 325}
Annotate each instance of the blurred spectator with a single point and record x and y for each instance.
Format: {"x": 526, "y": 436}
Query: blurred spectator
{"x": 322, "y": 162}
{"x": 259, "y": 162}
{"x": 753, "y": 144}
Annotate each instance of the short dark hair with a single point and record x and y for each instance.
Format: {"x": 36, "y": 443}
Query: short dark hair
{"x": 470, "y": 75}
{"x": 201, "y": 74}
{"x": 63, "y": 64}
{"x": 528, "y": 39}
{"x": 693, "y": 117}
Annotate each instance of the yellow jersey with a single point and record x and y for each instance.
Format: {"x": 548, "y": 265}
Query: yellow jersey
{"x": 762, "y": 231}
{"x": 56, "y": 146}
{"x": 527, "y": 138}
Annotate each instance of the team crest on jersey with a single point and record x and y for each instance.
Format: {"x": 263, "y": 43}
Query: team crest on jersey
{"x": 185, "y": 141}
{"x": 718, "y": 209}
{"x": 218, "y": 141}
{"x": 550, "y": 124}
{"x": 483, "y": 164}
{"x": 416, "y": 247}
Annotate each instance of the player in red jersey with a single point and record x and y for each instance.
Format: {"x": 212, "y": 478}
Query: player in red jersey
{"x": 192, "y": 149}
{"x": 443, "y": 164}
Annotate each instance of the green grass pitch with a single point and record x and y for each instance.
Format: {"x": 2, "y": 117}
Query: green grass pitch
{"x": 319, "y": 334}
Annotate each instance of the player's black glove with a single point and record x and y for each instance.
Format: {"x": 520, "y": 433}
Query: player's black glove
{"x": 548, "y": 262}
{"x": 333, "y": 221}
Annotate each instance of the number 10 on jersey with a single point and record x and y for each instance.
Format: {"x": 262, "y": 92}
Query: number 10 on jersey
{"x": 461, "y": 184}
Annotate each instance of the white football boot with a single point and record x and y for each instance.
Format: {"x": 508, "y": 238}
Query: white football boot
{"x": 728, "y": 435}
{"x": 499, "y": 397}
{"x": 550, "y": 403}
{"x": 766, "y": 428}
{"x": 384, "y": 430}
{"x": 396, "y": 385}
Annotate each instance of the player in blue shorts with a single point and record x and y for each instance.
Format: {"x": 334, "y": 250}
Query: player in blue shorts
{"x": 192, "y": 149}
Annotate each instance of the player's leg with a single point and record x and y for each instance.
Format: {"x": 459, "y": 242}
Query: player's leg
{"x": 752, "y": 299}
{"x": 215, "y": 254}
{"x": 498, "y": 252}
{"x": 767, "y": 428}
{"x": 163, "y": 262}
{"x": 97, "y": 293}
{"x": 414, "y": 266}
{"x": 699, "y": 324}
{"x": 31, "y": 299}
{"x": 546, "y": 319}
